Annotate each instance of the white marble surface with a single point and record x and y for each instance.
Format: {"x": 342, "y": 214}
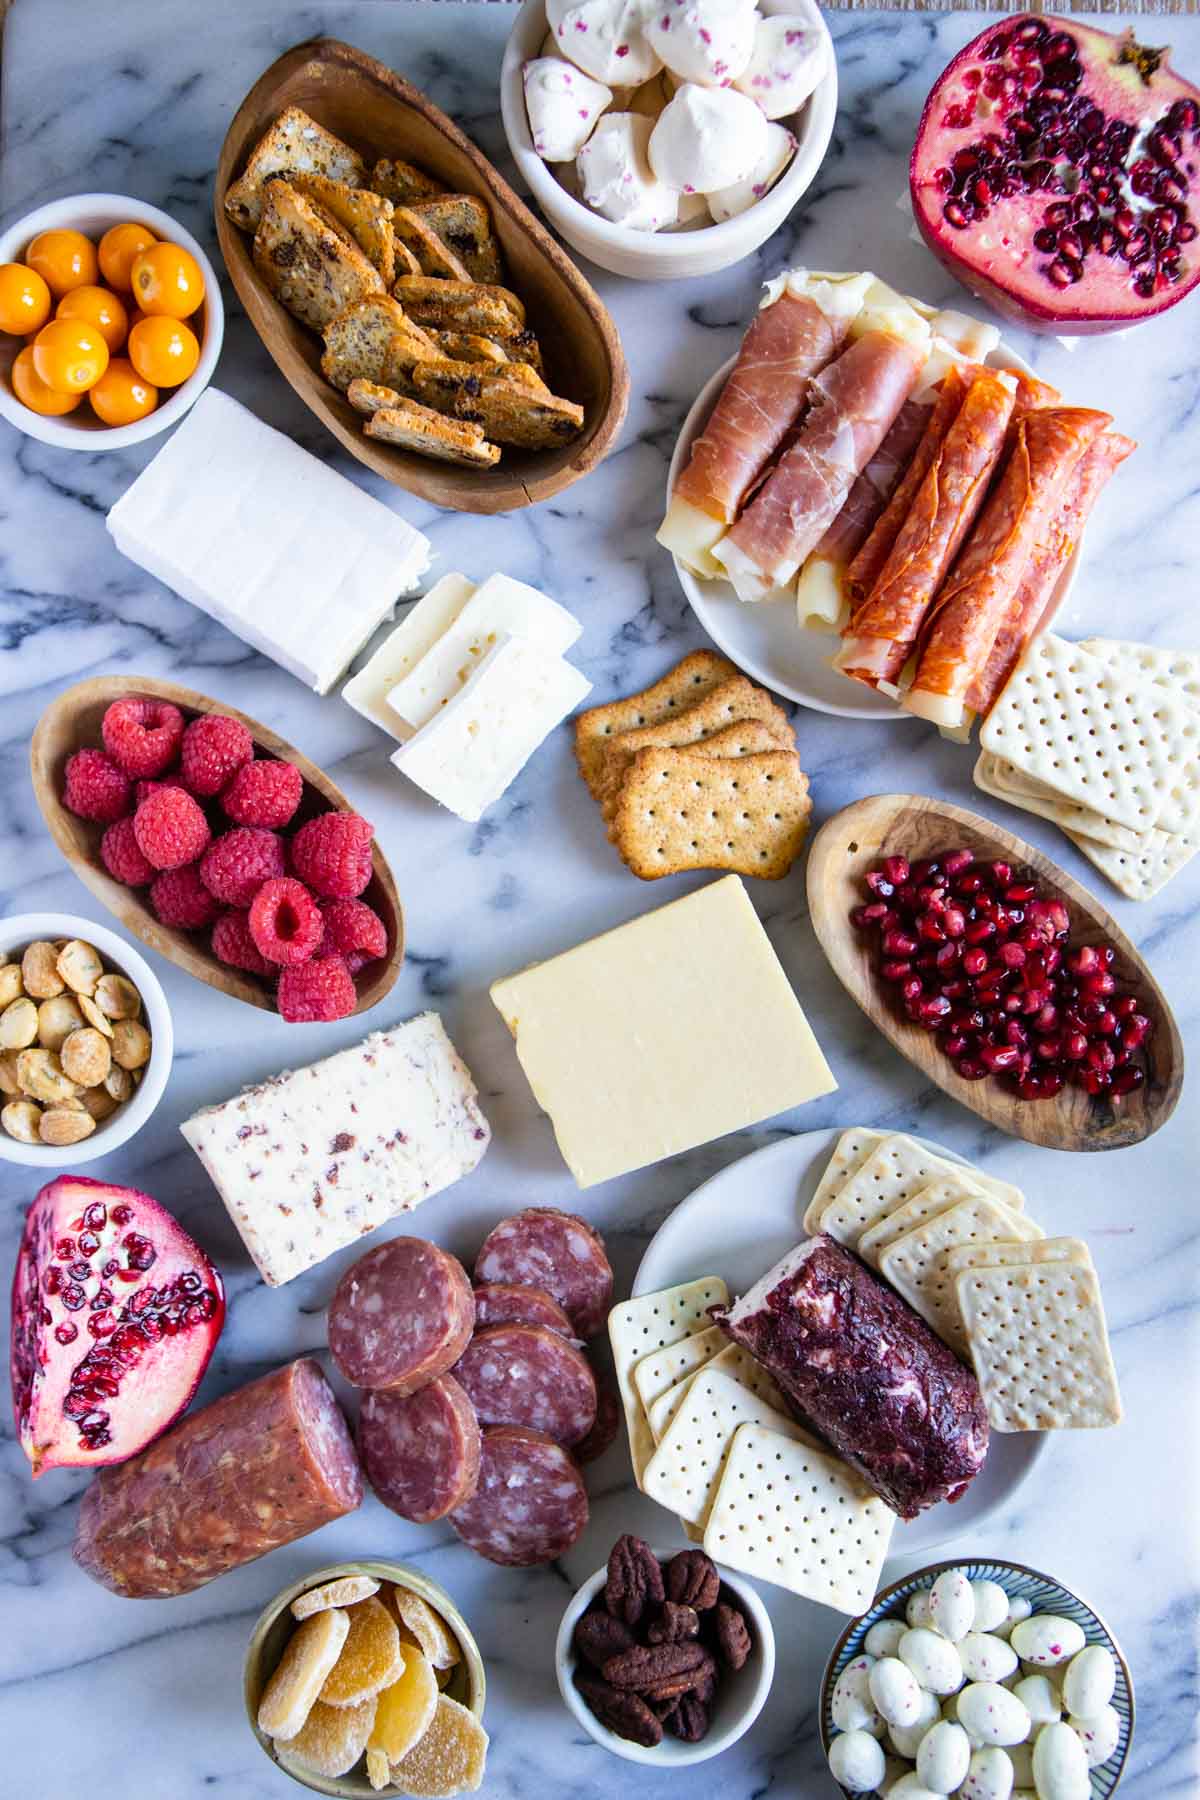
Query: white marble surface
{"x": 112, "y": 1698}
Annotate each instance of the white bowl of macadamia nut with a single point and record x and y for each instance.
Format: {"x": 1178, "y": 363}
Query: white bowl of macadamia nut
{"x": 85, "y": 1040}
{"x": 668, "y": 138}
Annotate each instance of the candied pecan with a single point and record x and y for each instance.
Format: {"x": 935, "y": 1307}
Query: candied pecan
{"x": 733, "y": 1636}
{"x": 659, "y": 1671}
{"x": 598, "y": 1636}
{"x": 692, "y": 1580}
{"x": 674, "y": 1624}
{"x": 706, "y": 1689}
{"x": 687, "y": 1719}
{"x": 621, "y": 1713}
{"x": 635, "y": 1580}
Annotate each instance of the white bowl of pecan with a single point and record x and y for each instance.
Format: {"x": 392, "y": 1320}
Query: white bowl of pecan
{"x": 663, "y": 1657}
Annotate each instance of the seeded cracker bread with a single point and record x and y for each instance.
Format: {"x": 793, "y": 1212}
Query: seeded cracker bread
{"x": 734, "y": 702}
{"x": 469, "y": 346}
{"x": 366, "y": 216}
{"x": 415, "y": 427}
{"x": 510, "y": 411}
{"x": 401, "y": 182}
{"x": 433, "y": 256}
{"x": 370, "y": 341}
{"x": 370, "y": 397}
{"x": 294, "y": 144}
{"x": 310, "y": 265}
{"x": 465, "y": 227}
{"x": 461, "y": 306}
{"x": 520, "y": 346}
{"x": 680, "y": 810}
{"x": 680, "y": 688}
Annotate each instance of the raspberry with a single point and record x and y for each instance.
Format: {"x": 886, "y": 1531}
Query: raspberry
{"x": 143, "y": 789}
{"x": 170, "y": 829}
{"x": 264, "y": 793}
{"x": 95, "y": 787}
{"x": 354, "y": 931}
{"x": 332, "y": 854}
{"x": 232, "y": 943}
{"x": 240, "y": 861}
{"x": 180, "y": 898}
{"x": 214, "y": 749}
{"x": 142, "y": 736}
{"x": 121, "y": 857}
{"x": 285, "y": 921}
{"x": 318, "y": 989}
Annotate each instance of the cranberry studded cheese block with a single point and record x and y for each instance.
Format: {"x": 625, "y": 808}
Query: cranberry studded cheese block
{"x": 311, "y": 1160}
{"x": 867, "y": 1372}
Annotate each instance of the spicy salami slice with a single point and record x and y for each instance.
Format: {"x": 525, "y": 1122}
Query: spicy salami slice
{"x": 530, "y": 1505}
{"x": 420, "y": 1451}
{"x": 604, "y": 1431}
{"x": 560, "y": 1252}
{"x": 526, "y": 1375}
{"x": 507, "y": 1303}
{"x": 400, "y": 1316}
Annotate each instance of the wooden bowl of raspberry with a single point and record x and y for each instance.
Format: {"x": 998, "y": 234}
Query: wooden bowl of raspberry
{"x": 219, "y": 845}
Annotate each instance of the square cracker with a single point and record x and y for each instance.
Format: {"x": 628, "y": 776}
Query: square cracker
{"x": 849, "y": 1154}
{"x": 638, "y": 1327}
{"x": 1019, "y": 1255}
{"x": 915, "y": 1264}
{"x": 733, "y": 702}
{"x": 733, "y": 1361}
{"x": 685, "y": 1470}
{"x": 1143, "y": 872}
{"x": 295, "y": 144}
{"x": 787, "y": 1513}
{"x": 679, "y": 810}
{"x": 1178, "y": 670}
{"x": 934, "y": 1198}
{"x": 996, "y": 777}
{"x": 749, "y": 737}
{"x": 674, "y": 1363}
{"x": 895, "y": 1171}
{"x": 1040, "y": 1347}
{"x": 678, "y": 690}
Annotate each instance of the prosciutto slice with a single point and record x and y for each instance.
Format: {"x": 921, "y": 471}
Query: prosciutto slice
{"x": 853, "y": 404}
{"x": 967, "y": 616}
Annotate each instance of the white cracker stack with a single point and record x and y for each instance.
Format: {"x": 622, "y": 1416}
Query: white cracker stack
{"x": 641, "y": 1327}
{"x": 1040, "y": 1346}
{"x": 855, "y": 1194}
{"x": 685, "y": 1471}
{"x": 915, "y": 1264}
{"x": 1103, "y": 739}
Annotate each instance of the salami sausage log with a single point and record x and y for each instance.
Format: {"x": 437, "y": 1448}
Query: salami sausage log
{"x": 526, "y": 1375}
{"x": 420, "y": 1451}
{"x": 259, "y": 1468}
{"x": 400, "y": 1316}
{"x": 506, "y": 1303}
{"x": 557, "y": 1251}
{"x": 530, "y": 1505}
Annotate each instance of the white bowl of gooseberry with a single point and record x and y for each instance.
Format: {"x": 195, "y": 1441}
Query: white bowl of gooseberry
{"x": 111, "y": 322}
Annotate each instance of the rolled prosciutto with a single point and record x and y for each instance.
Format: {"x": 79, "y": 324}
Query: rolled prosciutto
{"x": 857, "y": 1363}
{"x": 884, "y": 629}
{"x": 1034, "y": 604}
{"x": 852, "y": 406}
{"x": 965, "y": 619}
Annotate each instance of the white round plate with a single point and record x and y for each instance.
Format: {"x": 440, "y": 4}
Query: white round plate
{"x": 742, "y": 1221}
{"x": 764, "y": 638}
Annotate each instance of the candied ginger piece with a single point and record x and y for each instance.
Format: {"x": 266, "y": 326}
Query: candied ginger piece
{"x": 378, "y": 1773}
{"x": 406, "y": 1708}
{"x": 331, "y": 1739}
{"x": 426, "y": 1628}
{"x": 371, "y": 1657}
{"x": 308, "y": 1657}
{"x": 449, "y": 1759}
{"x": 346, "y": 1591}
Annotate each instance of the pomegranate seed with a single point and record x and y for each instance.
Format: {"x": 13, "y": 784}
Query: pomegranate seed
{"x": 934, "y": 1010}
{"x": 898, "y": 943}
{"x": 955, "y": 990}
{"x": 896, "y": 969}
{"x": 1125, "y": 1006}
{"x": 926, "y": 960}
{"x": 929, "y": 927}
{"x": 1048, "y": 1049}
{"x": 974, "y": 961}
{"x": 859, "y": 919}
{"x": 1098, "y": 986}
{"x": 1126, "y": 1080}
{"x": 1100, "y": 1056}
{"x": 1061, "y": 273}
{"x": 121, "y": 1214}
{"x": 1015, "y": 1033}
{"x": 970, "y": 1068}
{"x": 66, "y": 1333}
{"x": 1094, "y": 1081}
{"x": 955, "y": 215}
{"x": 1013, "y": 956}
{"x": 954, "y": 1044}
{"x": 912, "y": 987}
{"x": 1045, "y": 240}
{"x": 1047, "y": 1020}
{"x": 997, "y": 1058}
{"x": 966, "y": 885}
{"x": 1013, "y": 1003}
{"x": 1001, "y": 873}
{"x": 943, "y": 180}
{"x": 954, "y": 921}
{"x": 921, "y": 871}
{"x": 1135, "y": 1031}
{"x": 879, "y": 885}
{"x": 979, "y": 931}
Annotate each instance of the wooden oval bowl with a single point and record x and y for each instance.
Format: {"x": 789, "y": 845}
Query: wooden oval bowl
{"x": 380, "y": 114}
{"x": 909, "y": 825}
{"x": 72, "y": 721}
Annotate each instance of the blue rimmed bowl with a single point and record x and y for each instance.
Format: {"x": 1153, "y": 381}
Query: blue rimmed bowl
{"x": 1044, "y": 1594}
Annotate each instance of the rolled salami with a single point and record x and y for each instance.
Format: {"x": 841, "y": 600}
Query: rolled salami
{"x": 401, "y": 1315}
{"x": 530, "y": 1505}
{"x": 508, "y": 1303}
{"x": 558, "y": 1252}
{"x": 858, "y": 1364}
{"x": 526, "y": 1375}
{"x": 420, "y": 1451}
{"x": 964, "y": 620}
{"x": 259, "y": 1468}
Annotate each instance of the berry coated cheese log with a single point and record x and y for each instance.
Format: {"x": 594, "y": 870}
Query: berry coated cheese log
{"x": 420, "y": 1452}
{"x": 259, "y": 1468}
{"x": 507, "y": 1303}
{"x": 854, "y": 1360}
{"x": 401, "y": 1315}
{"x": 558, "y": 1252}
{"x": 526, "y": 1375}
{"x": 530, "y": 1506}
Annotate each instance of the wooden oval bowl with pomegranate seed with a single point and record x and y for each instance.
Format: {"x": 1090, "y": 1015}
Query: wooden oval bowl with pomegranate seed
{"x": 855, "y": 839}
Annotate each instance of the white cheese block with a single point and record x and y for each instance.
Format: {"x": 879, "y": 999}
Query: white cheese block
{"x": 314, "y": 1158}
{"x": 290, "y": 556}
{"x": 402, "y": 650}
{"x": 498, "y": 605}
{"x": 481, "y": 739}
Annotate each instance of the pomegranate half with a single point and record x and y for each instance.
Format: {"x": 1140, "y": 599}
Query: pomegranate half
{"x": 1056, "y": 173}
{"x": 115, "y": 1313}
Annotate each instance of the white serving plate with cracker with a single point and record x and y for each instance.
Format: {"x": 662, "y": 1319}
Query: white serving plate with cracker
{"x": 738, "y": 1224}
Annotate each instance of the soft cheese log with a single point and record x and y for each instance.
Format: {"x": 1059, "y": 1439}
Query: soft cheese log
{"x": 311, "y": 1160}
{"x": 288, "y": 555}
{"x": 429, "y": 618}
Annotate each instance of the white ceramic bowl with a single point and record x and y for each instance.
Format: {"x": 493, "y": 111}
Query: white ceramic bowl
{"x": 663, "y": 255}
{"x": 740, "y": 1695}
{"x": 29, "y": 928}
{"x": 81, "y": 429}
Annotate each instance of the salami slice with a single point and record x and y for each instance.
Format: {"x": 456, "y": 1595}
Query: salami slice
{"x": 604, "y": 1431}
{"x": 259, "y": 1468}
{"x": 420, "y": 1451}
{"x": 530, "y": 1505}
{"x": 526, "y": 1375}
{"x": 544, "y": 1248}
{"x": 506, "y": 1303}
{"x": 400, "y": 1316}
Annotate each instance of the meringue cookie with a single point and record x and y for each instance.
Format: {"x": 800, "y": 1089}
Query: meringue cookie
{"x": 617, "y": 179}
{"x": 605, "y": 38}
{"x": 727, "y": 202}
{"x": 563, "y": 104}
{"x": 707, "y": 41}
{"x": 693, "y": 210}
{"x": 789, "y": 58}
{"x": 707, "y": 138}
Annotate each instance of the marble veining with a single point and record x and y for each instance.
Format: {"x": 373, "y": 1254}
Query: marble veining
{"x": 112, "y": 1698}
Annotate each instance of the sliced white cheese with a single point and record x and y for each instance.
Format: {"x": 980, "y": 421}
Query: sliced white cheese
{"x": 883, "y": 309}
{"x": 400, "y": 652}
{"x": 971, "y": 336}
{"x": 690, "y": 535}
{"x": 820, "y": 602}
{"x": 838, "y": 296}
{"x": 484, "y": 735}
{"x": 499, "y": 605}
